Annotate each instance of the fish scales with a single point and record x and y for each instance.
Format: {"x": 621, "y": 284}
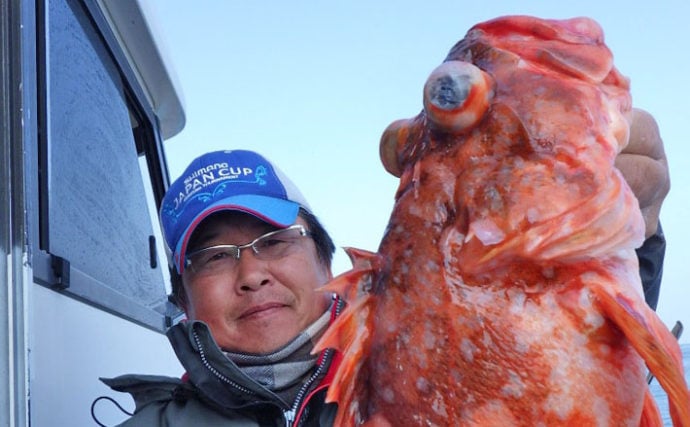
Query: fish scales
{"x": 506, "y": 289}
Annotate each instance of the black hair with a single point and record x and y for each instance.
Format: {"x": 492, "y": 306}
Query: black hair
{"x": 325, "y": 248}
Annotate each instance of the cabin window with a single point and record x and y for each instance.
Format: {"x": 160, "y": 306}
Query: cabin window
{"x": 99, "y": 230}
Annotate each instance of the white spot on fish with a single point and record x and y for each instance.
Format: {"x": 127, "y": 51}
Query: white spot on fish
{"x": 605, "y": 349}
{"x": 533, "y": 215}
{"x": 456, "y": 375}
{"x": 514, "y": 387}
{"x": 561, "y": 404}
{"x": 522, "y": 347}
{"x": 439, "y": 406}
{"x": 486, "y": 231}
{"x": 422, "y": 385}
{"x": 487, "y": 342}
{"x": 388, "y": 395}
{"x": 592, "y": 318}
{"x": 416, "y": 210}
{"x": 603, "y": 411}
{"x": 467, "y": 348}
{"x": 517, "y": 301}
{"x": 390, "y": 326}
{"x": 429, "y": 339}
{"x": 548, "y": 272}
{"x": 422, "y": 362}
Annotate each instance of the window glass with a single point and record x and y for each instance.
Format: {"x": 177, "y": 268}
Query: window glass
{"x": 98, "y": 216}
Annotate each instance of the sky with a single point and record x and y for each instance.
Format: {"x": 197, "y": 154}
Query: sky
{"x": 312, "y": 85}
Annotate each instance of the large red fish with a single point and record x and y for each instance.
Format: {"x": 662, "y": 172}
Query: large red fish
{"x": 506, "y": 288}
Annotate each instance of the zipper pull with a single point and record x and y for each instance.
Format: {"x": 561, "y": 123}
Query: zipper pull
{"x": 289, "y": 417}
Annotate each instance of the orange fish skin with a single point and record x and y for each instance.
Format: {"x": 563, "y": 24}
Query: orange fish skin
{"x": 506, "y": 289}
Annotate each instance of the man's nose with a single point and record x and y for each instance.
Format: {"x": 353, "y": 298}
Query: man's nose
{"x": 251, "y": 272}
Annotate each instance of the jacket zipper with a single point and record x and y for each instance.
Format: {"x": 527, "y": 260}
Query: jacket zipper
{"x": 214, "y": 371}
{"x": 292, "y": 412}
{"x": 327, "y": 355}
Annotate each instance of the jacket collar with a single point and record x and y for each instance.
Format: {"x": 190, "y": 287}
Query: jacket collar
{"x": 220, "y": 381}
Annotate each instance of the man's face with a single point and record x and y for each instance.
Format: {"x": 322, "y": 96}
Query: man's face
{"x": 258, "y": 305}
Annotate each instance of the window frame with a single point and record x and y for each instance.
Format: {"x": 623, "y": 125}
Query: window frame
{"x": 53, "y": 271}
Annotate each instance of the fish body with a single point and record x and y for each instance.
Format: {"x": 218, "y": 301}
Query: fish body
{"x": 506, "y": 289}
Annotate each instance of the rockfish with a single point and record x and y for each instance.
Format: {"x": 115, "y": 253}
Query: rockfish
{"x": 506, "y": 288}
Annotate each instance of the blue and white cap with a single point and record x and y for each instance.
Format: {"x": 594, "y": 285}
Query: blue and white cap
{"x": 237, "y": 180}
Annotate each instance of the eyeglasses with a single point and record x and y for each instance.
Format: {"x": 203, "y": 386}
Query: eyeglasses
{"x": 270, "y": 246}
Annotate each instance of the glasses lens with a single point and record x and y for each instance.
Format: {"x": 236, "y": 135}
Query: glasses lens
{"x": 213, "y": 258}
{"x": 277, "y": 245}
{"x": 270, "y": 246}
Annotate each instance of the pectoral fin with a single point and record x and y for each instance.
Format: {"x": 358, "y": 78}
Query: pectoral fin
{"x": 350, "y": 334}
{"x": 655, "y": 344}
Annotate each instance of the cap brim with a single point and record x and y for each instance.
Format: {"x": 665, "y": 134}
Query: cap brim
{"x": 278, "y": 212}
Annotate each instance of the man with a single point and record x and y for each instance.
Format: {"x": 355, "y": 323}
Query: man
{"x": 253, "y": 312}
{"x": 248, "y": 257}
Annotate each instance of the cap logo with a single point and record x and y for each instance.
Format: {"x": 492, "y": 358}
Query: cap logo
{"x": 207, "y": 183}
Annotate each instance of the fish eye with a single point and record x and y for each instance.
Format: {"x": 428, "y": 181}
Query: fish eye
{"x": 456, "y": 96}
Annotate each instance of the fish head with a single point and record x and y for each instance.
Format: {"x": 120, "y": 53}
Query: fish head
{"x": 520, "y": 125}
{"x": 521, "y": 73}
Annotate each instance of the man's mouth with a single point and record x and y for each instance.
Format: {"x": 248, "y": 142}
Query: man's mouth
{"x": 260, "y": 309}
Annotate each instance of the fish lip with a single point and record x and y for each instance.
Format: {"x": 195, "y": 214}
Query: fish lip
{"x": 256, "y": 309}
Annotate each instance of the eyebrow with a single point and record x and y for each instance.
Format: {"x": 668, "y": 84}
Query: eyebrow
{"x": 200, "y": 240}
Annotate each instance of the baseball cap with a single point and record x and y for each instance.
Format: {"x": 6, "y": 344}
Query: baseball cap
{"x": 237, "y": 180}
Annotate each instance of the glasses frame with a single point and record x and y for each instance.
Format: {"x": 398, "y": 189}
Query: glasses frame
{"x": 238, "y": 248}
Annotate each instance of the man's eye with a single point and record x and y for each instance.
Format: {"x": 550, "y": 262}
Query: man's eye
{"x": 271, "y": 242}
{"x": 216, "y": 256}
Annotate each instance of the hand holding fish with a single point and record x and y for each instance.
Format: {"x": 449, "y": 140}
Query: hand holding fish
{"x": 645, "y": 168}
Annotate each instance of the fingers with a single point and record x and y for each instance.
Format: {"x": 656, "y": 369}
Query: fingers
{"x": 645, "y": 138}
{"x": 643, "y": 164}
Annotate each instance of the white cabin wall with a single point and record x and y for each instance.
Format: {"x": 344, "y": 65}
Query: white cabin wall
{"x": 73, "y": 344}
